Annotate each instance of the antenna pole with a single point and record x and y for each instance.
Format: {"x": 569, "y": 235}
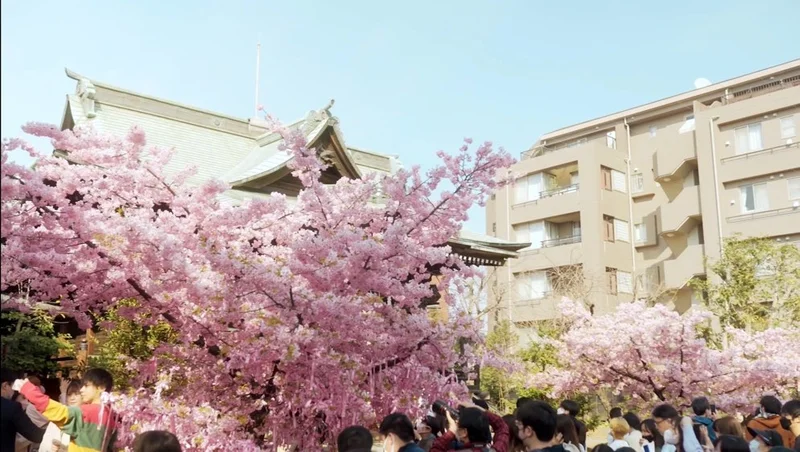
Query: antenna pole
{"x": 258, "y": 71}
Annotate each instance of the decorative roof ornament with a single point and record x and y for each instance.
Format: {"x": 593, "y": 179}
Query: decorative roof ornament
{"x": 86, "y": 91}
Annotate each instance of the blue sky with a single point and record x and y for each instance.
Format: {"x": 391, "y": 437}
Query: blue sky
{"x": 408, "y": 77}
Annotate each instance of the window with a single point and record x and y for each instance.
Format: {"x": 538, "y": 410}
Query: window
{"x": 618, "y": 181}
{"x": 748, "y": 138}
{"x": 605, "y": 178}
{"x": 576, "y": 228}
{"x": 794, "y": 188}
{"x": 608, "y": 228}
{"x": 688, "y": 125}
{"x": 533, "y": 285}
{"x": 534, "y": 233}
{"x": 611, "y": 139}
{"x": 787, "y": 127}
{"x": 621, "y": 231}
{"x": 611, "y": 275}
{"x": 754, "y": 197}
{"x": 641, "y": 232}
{"x": 637, "y": 183}
{"x": 653, "y": 131}
{"x": 624, "y": 282}
{"x": 574, "y": 178}
{"x": 528, "y": 188}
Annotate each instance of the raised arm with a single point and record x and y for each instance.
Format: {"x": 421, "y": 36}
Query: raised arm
{"x": 54, "y": 412}
{"x": 502, "y": 435}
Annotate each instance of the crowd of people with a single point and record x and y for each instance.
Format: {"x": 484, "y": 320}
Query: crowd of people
{"x": 538, "y": 426}
{"x": 84, "y": 416}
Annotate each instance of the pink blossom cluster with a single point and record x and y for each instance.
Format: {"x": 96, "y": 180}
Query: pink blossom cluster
{"x": 295, "y": 319}
{"x": 654, "y": 355}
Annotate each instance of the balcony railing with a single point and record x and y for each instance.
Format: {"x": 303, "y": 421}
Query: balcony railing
{"x": 610, "y": 142}
{"x": 533, "y": 299}
{"x": 559, "y": 191}
{"x": 782, "y": 147}
{"x": 561, "y": 241}
{"x": 763, "y": 214}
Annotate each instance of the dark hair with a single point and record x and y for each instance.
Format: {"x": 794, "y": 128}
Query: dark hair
{"x": 572, "y": 407}
{"x": 665, "y": 411}
{"x": 791, "y": 408}
{"x": 728, "y": 425}
{"x": 515, "y": 444}
{"x": 566, "y": 427}
{"x": 771, "y": 404}
{"x": 615, "y": 412}
{"x": 435, "y": 423}
{"x": 700, "y": 405}
{"x": 730, "y": 443}
{"x": 481, "y": 403}
{"x": 400, "y": 425}
{"x": 523, "y": 400}
{"x": 73, "y": 387}
{"x": 652, "y": 428}
{"x": 100, "y": 378}
{"x": 355, "y": 438}
{"x": 35, "y": 380}
{"x": 8, "y": 376}
{"x": 626, "y": 449}
{"x": 475, "y": 422}
{"x": 633, "y": 420}
{"x": 780, "y": 449}
{"x": 602, "y": 448}
{"x": 156, "y": 441}
{"x": 539, "y": 417}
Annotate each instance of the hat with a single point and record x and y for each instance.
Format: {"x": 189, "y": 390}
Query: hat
{"x": 770, "y": 437}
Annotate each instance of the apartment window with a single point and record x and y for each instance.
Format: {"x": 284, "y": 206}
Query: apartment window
{"x": 576, "y": 228}
{"x": 605, "y": 178}
{"x": 787, "y": 127}
{"x": 621, "y": 231}
{"x": 618, "y": 181}
{"x": 637, "y": 183}
{"x": 653, "y": 131}
{"x": 641, "y": 232}
{"x": 574, "y": 178}
{"x": 794, "y": 188}
{"x": 748, "y": 138}
{"x": 533, "y": 285}
{"x": 624, "y": 282}
{"x": 608, "y": 228}
{"x": 611, "y": 280}
{"x": 754, "y": 197}
{"x": 611, "y": 139}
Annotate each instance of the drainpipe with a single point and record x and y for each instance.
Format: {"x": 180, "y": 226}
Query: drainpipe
{"x": 631, "y": 226}
{"x": 508, "y": 261}
{"x": 716, "y": 180}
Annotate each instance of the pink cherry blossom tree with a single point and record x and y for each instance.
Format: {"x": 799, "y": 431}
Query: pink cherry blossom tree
{"x": 294, "y": 318}
{"x": 654, "y": 355}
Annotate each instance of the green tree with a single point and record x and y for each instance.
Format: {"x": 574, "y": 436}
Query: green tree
{"x": 29, "y": 342}
{"x": 755, "y": 284}
{"x": 124, "y": 339}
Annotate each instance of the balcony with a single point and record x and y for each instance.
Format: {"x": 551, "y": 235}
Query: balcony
{"x": 680, "y": 215}
{"x": 673, "y": 156}
{"x": 554, "y": 202}
{"x": 766, "y": 161}
{"x": 536, "y": 309}
{"x": 685, "y": 266}
{"x": 561, "y": 241}
{"x": 778, "y": 222}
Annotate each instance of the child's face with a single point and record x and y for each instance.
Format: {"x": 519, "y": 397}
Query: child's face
{"x": 74, "y": 399}
{"x": 90, "y": 393}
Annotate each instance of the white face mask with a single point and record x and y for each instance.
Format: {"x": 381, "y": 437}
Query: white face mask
{"x": 670, "y": 437}
{"x": 754, "y": 445}
{"x": 561, "y": 411}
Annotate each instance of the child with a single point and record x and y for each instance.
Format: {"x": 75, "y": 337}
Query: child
{"x": 91, "y": 425}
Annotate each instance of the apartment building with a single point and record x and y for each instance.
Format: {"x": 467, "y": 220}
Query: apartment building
{"x": 633, "y": 203}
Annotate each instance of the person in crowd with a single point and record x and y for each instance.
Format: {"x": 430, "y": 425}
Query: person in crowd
{"x": 515, "y": 444}
{"x": 763, "y": 440}
{"x": 158, "y": 441}
{"x": 790, "y": 420}
{"x": 703, "y": 416}
{"x": 651, "y": 436}
{"x": 73, "y": 394}
{"x": 13, "y": 419}
{"x": 428, "y": 429}
{"x": 727, "y": 425}
{"x": 398, "y": 434}
{"x": 92, "y": 426}
{"x": 769, "y": 418}
{"x": 634, "y": 437}
{"x": 626, "y": 449}
{"x": 731, "y": 443}
{"x": 615, "y": 413}
{"x": 678, "y": 432}
{"x": 472, "y": 431}
{"x": 567, "y": 435}
{"x": 619, "y": 429}
{"x": 354, "y": 439}
{"x": 523, "y": 400}
{"x": 574, "y": 409}
{"x": 602, "y": 448}
{"x": 537, "y": 423}
{"x": 22, "y": 444}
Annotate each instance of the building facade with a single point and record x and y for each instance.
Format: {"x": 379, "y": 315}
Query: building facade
{"x": 631, "y": 205}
